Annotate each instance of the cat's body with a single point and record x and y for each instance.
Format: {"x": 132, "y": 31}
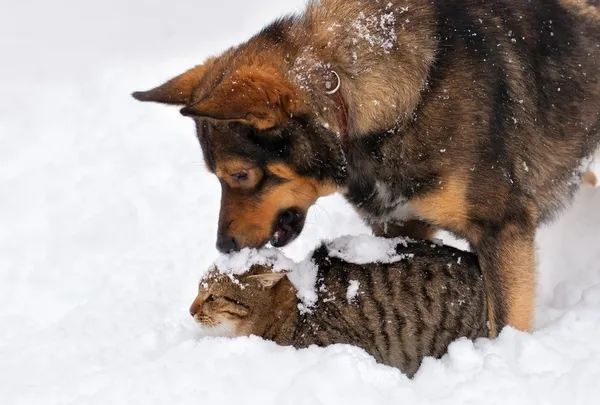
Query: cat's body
{"x": 398, "y": 312}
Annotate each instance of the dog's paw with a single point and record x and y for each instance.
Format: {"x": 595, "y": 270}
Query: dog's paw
{"x": 589, "y": 178}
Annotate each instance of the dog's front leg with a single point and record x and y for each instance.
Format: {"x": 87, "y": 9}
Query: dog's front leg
{"x": 507, "y": 259}
{"x": 412, "y": 228}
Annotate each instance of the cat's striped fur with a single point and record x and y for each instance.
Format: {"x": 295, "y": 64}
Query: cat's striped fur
{"x": 400, "y": 313}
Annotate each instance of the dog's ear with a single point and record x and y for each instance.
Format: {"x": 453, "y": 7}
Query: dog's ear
{"x": 177, "y": 91}
{"x": 258, "y": 96}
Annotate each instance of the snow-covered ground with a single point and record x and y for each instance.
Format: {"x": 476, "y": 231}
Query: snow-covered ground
{"x": 108, "y": 219}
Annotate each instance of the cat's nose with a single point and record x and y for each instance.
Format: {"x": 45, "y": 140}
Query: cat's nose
{"x": 194, "y": 309}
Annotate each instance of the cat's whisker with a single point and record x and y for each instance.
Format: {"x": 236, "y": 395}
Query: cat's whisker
{"x": 228, "y": 329}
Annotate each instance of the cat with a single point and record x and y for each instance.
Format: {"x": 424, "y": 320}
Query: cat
{"x": 398, "y": 312}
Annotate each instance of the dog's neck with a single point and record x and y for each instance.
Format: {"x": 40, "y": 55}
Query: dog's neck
{"x": 381, "y": 85}
{"x": 323, "y": 90}
{"x": 341, "y": 115}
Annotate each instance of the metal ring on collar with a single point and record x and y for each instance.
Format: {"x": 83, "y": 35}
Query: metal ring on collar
{"x": 339, "y": 83}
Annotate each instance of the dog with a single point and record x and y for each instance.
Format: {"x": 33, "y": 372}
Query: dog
{"x": 589, "y": 177}
{"x": 472, "y": 116}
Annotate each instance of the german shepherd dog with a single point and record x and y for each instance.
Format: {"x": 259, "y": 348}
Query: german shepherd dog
{"x": 472, "y": 116}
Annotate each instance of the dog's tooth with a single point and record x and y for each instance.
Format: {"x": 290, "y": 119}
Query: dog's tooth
{"x": 276, "y": 237}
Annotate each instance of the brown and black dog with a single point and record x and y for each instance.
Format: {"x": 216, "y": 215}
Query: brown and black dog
{"x": 468, "y": 115}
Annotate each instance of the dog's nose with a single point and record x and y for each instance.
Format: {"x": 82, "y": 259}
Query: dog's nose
{"x": 226, "y": 244}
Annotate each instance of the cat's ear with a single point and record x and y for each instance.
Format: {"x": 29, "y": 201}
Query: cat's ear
{"x": 270, "y": 279}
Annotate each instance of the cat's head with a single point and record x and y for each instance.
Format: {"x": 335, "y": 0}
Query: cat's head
{"x": 241, "y": 305}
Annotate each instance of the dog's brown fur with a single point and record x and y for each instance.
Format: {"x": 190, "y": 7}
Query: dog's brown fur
{"x": 472, "y": 116}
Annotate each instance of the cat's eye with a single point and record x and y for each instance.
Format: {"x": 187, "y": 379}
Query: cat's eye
{"x": 234, "y": 301}
{"x": 210, "y": 298}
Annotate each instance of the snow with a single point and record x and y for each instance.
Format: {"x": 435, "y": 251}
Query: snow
{"x": 377, "y": 30}
{"x": 362, "y": 249}
{"x": 108, "y": 221}
{"x": 352, "y": 292}
{"x": 302, "y": 274}
{"x": 358, "y": 249}
{"x": 240, "y": 262}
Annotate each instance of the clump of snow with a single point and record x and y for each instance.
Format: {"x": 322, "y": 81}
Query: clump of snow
{"x": 358, "y": 249}
{"x": 240, "y": 262}
{"x": 303, "y": 275}
{"x": 352, "y": 292}
{"x": 363, "y": 249}
{"x": 304, "y": 279}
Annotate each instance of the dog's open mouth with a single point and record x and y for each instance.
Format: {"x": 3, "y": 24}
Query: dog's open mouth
{"x": 287, "y": 226}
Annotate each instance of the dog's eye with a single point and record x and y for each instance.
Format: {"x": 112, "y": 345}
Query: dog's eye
{"x": 240, "y": 176}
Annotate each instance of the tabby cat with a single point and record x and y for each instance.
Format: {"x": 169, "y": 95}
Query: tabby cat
{"x": 398, "y": 312}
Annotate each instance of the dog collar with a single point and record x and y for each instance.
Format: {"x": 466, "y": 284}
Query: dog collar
{"x": 341, "y": 113}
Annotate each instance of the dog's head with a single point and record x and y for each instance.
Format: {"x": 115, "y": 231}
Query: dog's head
{"x": 257, "y": 136}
